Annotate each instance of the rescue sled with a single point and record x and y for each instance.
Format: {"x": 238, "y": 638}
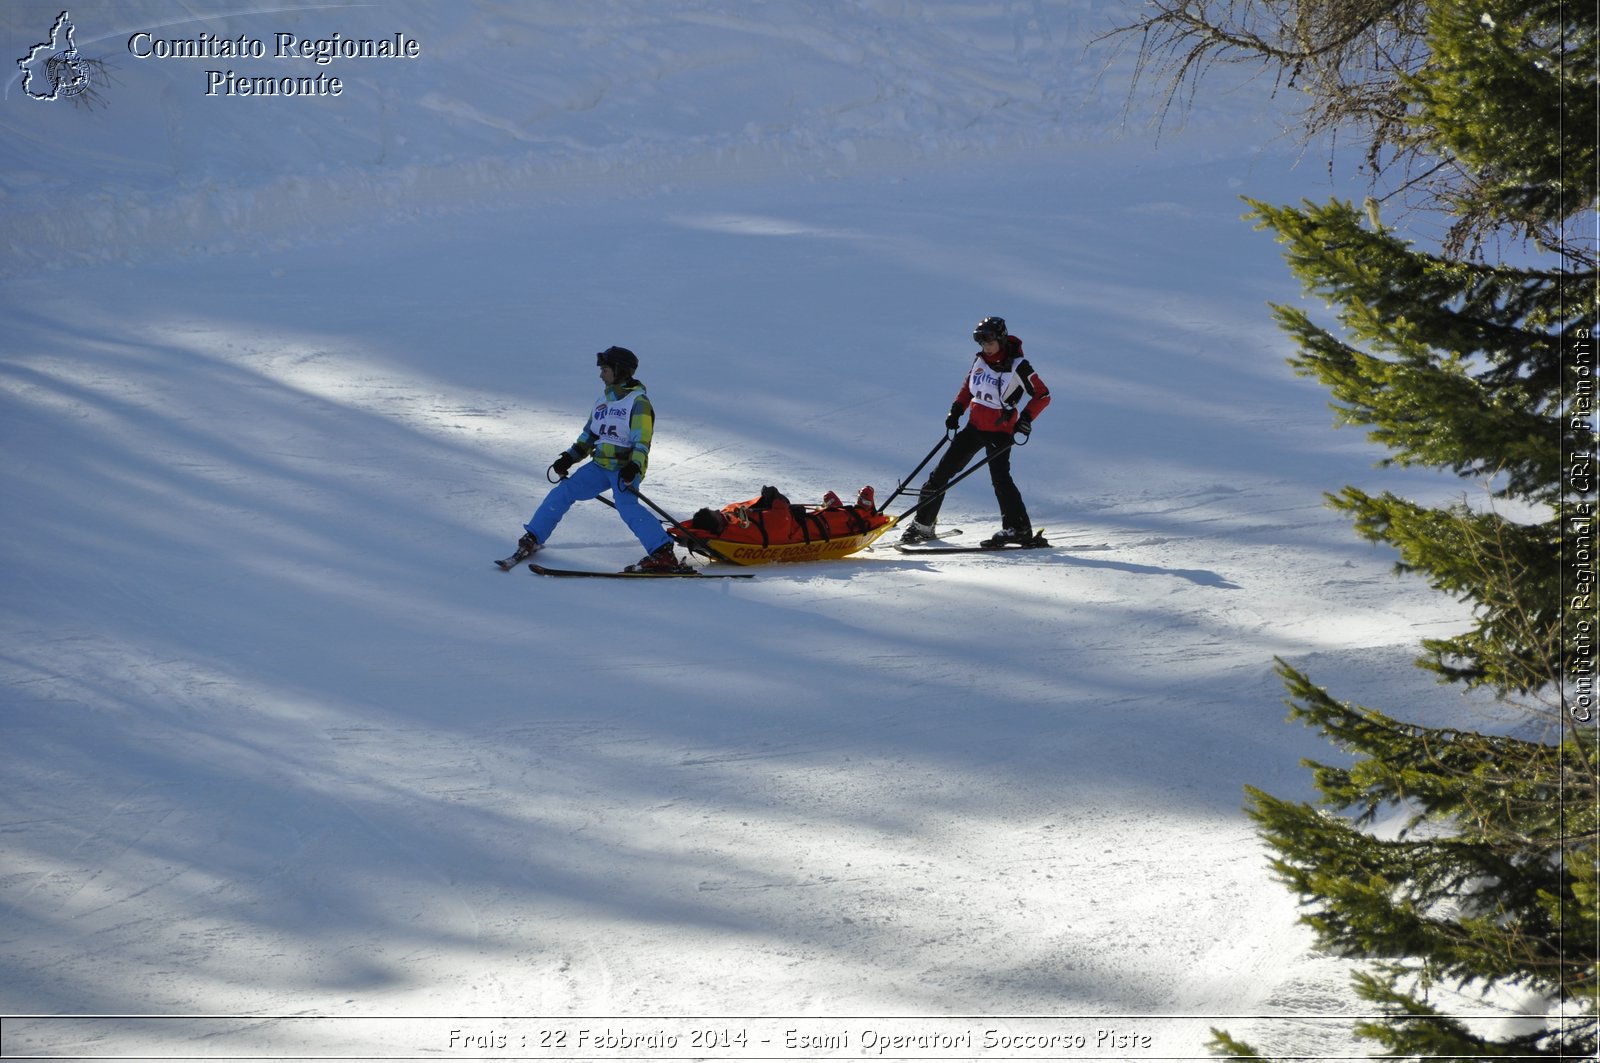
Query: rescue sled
{"x": 771, "y": 529}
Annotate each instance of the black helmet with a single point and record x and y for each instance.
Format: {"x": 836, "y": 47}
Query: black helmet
{"x": 622, "y": 361}
{"x": 990, "y": 328}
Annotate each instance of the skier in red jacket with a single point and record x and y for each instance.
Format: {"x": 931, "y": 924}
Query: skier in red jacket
{"x": 1004, "y": 395}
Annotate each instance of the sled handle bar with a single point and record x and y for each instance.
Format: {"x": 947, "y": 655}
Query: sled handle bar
{"x": 949, "y": 434}
{"x": 690, "y": 541}
{"x": 968, "y": 471}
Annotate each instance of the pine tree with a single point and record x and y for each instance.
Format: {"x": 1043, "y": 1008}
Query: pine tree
{"x": 1471, "y": 357}
{"x": 1457, "y": 365}
{"x": 1505, "y": 897}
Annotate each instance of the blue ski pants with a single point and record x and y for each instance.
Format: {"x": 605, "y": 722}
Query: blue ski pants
{"x": 586, "y": 483}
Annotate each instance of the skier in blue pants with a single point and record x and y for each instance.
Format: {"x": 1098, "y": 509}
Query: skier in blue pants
{"x": 617, "y": 440}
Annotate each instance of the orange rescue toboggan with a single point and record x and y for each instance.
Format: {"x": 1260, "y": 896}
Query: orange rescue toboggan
{"x": 771, "y": 529}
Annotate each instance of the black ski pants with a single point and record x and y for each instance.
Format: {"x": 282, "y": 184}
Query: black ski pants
{"x": 965, "y": 445}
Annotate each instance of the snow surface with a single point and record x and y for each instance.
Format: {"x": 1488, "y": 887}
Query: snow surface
{"x": 283, "y": 375}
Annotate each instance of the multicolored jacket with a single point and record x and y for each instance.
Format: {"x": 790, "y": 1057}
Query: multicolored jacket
{"x": 619, "y": 429}
{"x": 1001, "y": 389}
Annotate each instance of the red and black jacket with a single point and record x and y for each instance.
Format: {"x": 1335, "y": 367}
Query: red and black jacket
{"x": 1001, "y": 389}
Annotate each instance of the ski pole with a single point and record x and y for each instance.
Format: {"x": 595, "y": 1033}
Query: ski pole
{"x": 690, "y": 541}
{"x": 948, "y": 435}
{"x": 968, "y": 471}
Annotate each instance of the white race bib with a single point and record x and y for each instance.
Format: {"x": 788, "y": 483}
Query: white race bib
{"x": 991, "y": 387}
{"x": 612, "y": 422}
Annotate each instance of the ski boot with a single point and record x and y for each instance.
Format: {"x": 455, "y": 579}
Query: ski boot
{"x": 662, "y": 560}
{"x": 1007, "y": 537}
{"x": 527, "y": 546}
{"x": 1012, "y": 537}
{"x": 918, "y": 533}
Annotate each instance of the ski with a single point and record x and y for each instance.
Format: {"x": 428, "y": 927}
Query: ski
{"x": 506, "y": 564}
{"x": 1038, "y": 542}
{"x": 583, "y": 573}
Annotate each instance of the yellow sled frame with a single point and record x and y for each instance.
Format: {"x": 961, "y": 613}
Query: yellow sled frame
{"x": 817, "y": 550}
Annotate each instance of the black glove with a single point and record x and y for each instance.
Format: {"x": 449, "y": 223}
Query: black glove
{"x": 954, "y": 420}
{"x": 1024, "y": 426}
{"x": 629, "y": 472}
{"x": 563, "y": 463}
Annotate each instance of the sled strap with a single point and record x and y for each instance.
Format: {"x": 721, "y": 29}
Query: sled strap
{"x": 823, "y": 525}
{"x": 797, "y": 517}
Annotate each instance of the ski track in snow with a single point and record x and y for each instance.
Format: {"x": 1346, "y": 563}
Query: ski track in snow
{"x": 280, "y": 741}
